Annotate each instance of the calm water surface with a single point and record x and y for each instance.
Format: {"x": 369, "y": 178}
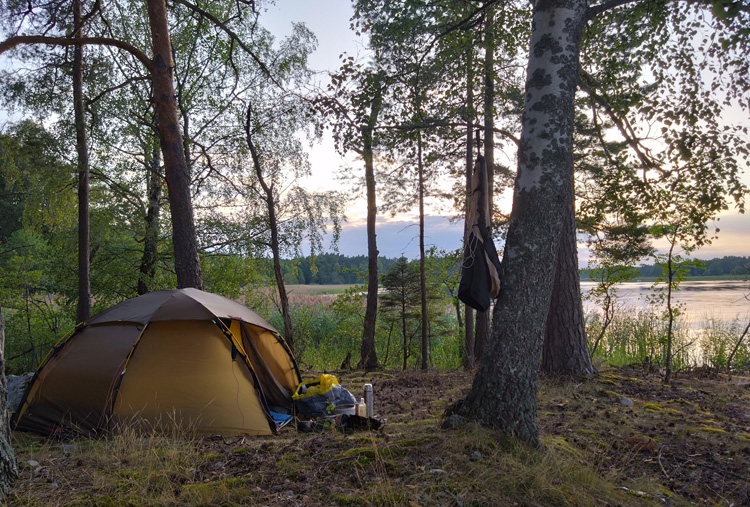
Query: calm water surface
{"x": 706, "y": 300}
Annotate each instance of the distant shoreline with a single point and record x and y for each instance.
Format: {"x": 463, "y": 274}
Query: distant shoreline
{"x": 703, "y": 278}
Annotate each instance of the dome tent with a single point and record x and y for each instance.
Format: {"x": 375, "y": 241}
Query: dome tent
{"x": 173, "y": 359}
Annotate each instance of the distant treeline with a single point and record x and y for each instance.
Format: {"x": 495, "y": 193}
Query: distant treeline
{"x": 329, "y": 269}
{"x": 724, "y": 266}
{"x": 332, "y": 269}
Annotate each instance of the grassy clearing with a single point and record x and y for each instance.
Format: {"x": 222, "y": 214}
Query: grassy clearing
{"x": 316, "y": 290}
{"x": 676, "y": 445}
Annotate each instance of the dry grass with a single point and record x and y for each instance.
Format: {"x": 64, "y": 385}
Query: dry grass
{"x": 597, "y": 453}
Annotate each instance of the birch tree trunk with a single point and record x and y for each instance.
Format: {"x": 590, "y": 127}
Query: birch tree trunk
{"x": 505, "y": 390}
{"x": 273, "y": 225}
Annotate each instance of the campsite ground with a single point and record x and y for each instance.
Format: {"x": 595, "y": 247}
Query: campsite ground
{"x": 684, "y": 444}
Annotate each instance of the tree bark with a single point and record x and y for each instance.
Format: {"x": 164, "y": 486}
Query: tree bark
{"x": 483, "y": 318}
{"x": 8, "y": 465}
{"x": 565, "y": 350}
{"x": 468, "y": 311}
{"x": 184, "y": 239}
{"x": 422, "y": 274}
{"x": 504, "y": 393}
{"x": 151, "y": 236}
{"x": 270, "y": 199}
{"x": 368, "y": 358}
{"x": 83, "y": 312}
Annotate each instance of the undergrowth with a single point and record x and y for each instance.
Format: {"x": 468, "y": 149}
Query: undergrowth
{"x": 680, "y": 444}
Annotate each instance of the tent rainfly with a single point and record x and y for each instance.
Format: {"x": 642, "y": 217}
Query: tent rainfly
{"x": 169, "y": 360}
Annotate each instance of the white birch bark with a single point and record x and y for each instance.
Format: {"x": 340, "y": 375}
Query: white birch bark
{"x": 504, "y": 393}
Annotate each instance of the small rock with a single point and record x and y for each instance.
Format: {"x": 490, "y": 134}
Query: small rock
{"x": 53, "y": 485}
{"x": 453, "y": 422}
{"x": 277, "y": 488}
{"x": 31, "y": 463}
{"x": 625, "y": 402}
{"x": 67, "y": 448}
{"x": 476, "y": 455}
{"x": 436, "y": 471}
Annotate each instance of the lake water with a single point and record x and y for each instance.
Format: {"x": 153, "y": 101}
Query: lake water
{"x": 705, "y": 300}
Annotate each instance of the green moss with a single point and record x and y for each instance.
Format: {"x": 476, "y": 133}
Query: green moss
{"x": 744, "y": 436}
{"x": 584, "y": 431}
{"x": 414, "y": 442}
{"x": 709, "y": 429}
{"x": 422, "y": 422}
{"x": 211, "y": 456}
{"x": 607, "y": 381}
{"x": 216, "y": 489}
{"x": 293, "y": 467}
{"x": 561, "y": 444}
{"x": 652, "y": 407}
{"x": 380, "y": 374}
{"x": 684, "y": 402}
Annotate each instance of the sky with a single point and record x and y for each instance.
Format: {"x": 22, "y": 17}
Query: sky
{"x": 398, "y": 236}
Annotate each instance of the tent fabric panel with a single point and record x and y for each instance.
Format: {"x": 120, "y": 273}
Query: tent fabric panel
{"x": 213, "y": 304}
{"x": 137, "y": 309}
{"x": 72, "y": 391}
{"x": 272, "y": 364}
{"x": 181, "y": 304}
{"x": 182, "y": 377}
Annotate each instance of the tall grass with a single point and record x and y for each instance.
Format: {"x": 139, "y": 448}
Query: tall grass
{"x": 639, "y": 336}
{"x": 325, "y": 334}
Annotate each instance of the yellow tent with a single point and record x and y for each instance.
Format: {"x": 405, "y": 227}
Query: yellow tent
{"x": 183, "y": 360}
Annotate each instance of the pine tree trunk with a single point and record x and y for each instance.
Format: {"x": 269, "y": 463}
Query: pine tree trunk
{"x": 565, "y": 350}
{"x": 184, "y": 239}
{"x": 422, "y": 274}
{"x": 368, "y": 358}
{"x": 468, "y": 311}
{"x": 505, "y": 389}
{"x": 8, "y": 466}
{"x": 151, "y": 236}
{"x": 483, "y": 318}
{"x": 83, "y": 312}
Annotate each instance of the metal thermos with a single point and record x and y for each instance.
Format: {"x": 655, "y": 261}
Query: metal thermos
{"x": 368, "y": 399}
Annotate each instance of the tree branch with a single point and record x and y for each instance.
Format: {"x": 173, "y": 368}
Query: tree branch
{"x": 630, "y": 139}
{"x": 17, "y": 40}
{"x": 236, "y": 38}
{"x": 595, "y": 10}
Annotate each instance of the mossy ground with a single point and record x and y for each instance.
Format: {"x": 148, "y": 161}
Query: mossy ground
{"x": 684, "y": 444}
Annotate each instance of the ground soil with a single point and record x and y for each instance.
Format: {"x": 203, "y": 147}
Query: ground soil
{"x": 642, "y": 442}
